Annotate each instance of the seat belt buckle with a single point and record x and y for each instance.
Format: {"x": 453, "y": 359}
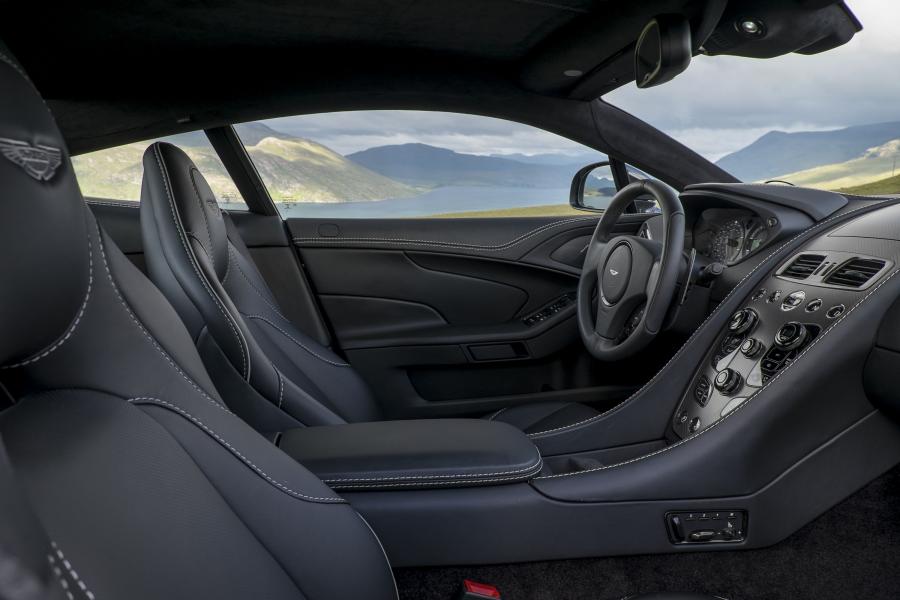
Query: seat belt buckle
{"x": 474, "y": 590}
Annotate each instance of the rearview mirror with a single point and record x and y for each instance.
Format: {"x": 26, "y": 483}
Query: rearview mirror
{"x": 593, "y": 187}
{"x": 663, "y": 50}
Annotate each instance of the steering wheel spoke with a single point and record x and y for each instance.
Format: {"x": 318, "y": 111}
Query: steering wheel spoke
{"x": 628, "y": 282}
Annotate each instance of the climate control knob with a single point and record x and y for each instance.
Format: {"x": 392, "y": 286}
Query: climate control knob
{"x": 751, "y": 347}
{"x": 743, "y": 321}
{"x": 791, "y": 336}
{"x": 728, "y": 381}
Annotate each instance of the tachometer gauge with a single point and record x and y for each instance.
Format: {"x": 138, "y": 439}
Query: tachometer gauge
{"x": 727, "y": 245}
{"x": 757, "y": 235}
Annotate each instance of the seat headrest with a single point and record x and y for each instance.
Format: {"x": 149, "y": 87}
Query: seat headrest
{"x": 45, "y": 265}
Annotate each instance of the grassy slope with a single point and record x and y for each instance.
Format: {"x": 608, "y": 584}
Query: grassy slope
{"x": 876, "y": 164}
{"x": 293, "y": 170}
{"x": 888, "y": 186}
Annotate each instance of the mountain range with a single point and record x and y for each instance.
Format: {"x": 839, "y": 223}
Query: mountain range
{"x": 778, "y": 154}
{"x": 430, "y": 166}
{"x": 298, "y": 169}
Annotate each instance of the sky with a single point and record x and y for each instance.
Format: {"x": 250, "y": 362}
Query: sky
{"x": 719, "y": 105}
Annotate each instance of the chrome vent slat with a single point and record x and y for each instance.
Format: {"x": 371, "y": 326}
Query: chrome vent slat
{"x": 803, "y": 266}
{"x": 856, "y": 272}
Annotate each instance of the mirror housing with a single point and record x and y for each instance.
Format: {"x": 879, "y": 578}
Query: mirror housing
{"x": 579, "y": 182}
{"x": 663, "y": 50}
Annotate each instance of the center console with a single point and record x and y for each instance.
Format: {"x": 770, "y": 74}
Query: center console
{"x": 777, "y": 323}
{"x": 414, "y": 455}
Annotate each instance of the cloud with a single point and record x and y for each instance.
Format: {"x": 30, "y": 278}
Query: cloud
{"x": 719, "y": 105}
{"x": 851, "y": 85}
{"x": 357, "y": 130}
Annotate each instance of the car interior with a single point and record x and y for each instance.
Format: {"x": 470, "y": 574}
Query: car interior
{"x": 685, "y": 393}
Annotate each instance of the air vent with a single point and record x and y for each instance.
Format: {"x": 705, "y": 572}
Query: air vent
{"x": 803, "y": 266}
{"x": 856, "y": 272}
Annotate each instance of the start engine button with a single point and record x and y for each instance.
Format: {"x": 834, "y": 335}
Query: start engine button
{"x": 793, "y": 300}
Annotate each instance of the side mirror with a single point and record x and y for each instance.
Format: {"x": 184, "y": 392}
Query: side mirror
{"x": 593, "y": 187}
{"x": 663, "y": 50}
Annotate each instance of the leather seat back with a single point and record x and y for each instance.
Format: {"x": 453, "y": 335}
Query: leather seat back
{"x": 197, "y": 258}
{"x": 150, "y": 486}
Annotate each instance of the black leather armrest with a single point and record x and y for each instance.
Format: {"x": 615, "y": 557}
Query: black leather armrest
{"x": 419, "y": 454}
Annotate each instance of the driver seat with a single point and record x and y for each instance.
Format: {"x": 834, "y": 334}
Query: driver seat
{"x": 269, "y": 372}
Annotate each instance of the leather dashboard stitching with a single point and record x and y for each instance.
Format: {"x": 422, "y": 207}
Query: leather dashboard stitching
{"x": 441, "y": 244}
{"x": 745, "y": 402}
{"x": 703, "y": 324}
{"x": 291, "y": 338}
{"x": 235, "y": 451}
{"x": 72, "y": 327}
{"x": 437, "y": 478}
{"x": 242, "y": 343}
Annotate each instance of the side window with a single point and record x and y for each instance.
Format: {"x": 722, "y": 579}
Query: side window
{"x": 116, "y": 173}
{"x": 387, "y": 164}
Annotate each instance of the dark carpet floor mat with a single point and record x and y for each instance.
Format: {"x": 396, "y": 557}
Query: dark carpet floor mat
{"x": 852, "y": 551}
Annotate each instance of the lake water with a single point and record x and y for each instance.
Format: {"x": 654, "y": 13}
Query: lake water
{"x": 438, "y": 201}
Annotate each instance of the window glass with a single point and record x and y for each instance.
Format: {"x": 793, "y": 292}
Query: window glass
{"x": 829, "y": 121}
{"x": 384, "y": 164}
{"x": 116, "y": 173}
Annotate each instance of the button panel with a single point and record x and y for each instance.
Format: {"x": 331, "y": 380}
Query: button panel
{"x": 701, "y": 527}
{"x": 777, "y": 322}
{"x": 550, "y": 310}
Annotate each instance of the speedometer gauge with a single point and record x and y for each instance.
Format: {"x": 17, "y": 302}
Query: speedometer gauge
{"x": 727, "y": 245}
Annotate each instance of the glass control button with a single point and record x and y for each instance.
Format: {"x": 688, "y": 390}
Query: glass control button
{"x": 835, "y": 311}
{"x": 814, "y": 305}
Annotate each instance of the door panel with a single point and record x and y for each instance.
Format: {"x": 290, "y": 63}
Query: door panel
{"x": 434, "y": 313}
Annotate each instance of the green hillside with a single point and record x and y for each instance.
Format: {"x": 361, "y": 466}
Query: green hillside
{"x": 294, "y": 170}
{"x": 873, "y": 165}
{"x": 882, "y": 187}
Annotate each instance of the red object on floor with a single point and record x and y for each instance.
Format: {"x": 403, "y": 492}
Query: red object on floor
{"x": 480, "y": 590}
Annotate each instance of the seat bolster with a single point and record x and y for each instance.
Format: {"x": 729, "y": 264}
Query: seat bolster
{"x": 543, "y": 416}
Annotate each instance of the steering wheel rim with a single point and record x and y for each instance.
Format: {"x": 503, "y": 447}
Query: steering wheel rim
{"x": 629, "y": 272}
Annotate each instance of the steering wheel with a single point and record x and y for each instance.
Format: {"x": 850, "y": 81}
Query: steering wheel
{"x": 627, "y": 282}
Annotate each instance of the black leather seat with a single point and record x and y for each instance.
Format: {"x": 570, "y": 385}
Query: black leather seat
{"x": 147, "y": 485}
{"x": 197, "y": 258}
{"x": 142, "y": 484}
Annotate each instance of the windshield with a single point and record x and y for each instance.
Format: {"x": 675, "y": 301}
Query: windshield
{"x": 828, "y": 121}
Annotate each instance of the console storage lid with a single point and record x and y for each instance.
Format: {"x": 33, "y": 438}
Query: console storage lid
{"x": 419, "y": 454}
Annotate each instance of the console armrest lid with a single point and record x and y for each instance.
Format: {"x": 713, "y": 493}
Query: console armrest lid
{"x": 396, "y": 455}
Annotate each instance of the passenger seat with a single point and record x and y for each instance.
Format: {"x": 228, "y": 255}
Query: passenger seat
{"x": 196, "y": 257}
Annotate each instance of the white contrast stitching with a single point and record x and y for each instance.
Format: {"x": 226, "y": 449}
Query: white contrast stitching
{"x": 290, "y": 337}
{"x": 280, "y": 387}
{"x": 211, "y": 253}
{"x": 538, "y": 464}
{"x": 233, "y": 450}
{"x": 426, "y": 483}
{"x": 87, "y": 297}
{"x": 72, "y": 573}
{"x": 146, "y": 333}
{"x": 99, "y": 202}
{"x": 700, "y": 328}
{"x": 182, "y": 236}
{"x": 497, "y": 414}
{"x": 436, "y": 243}
{"x": 745, "y": 402}
{"x": 253, "y": 287}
